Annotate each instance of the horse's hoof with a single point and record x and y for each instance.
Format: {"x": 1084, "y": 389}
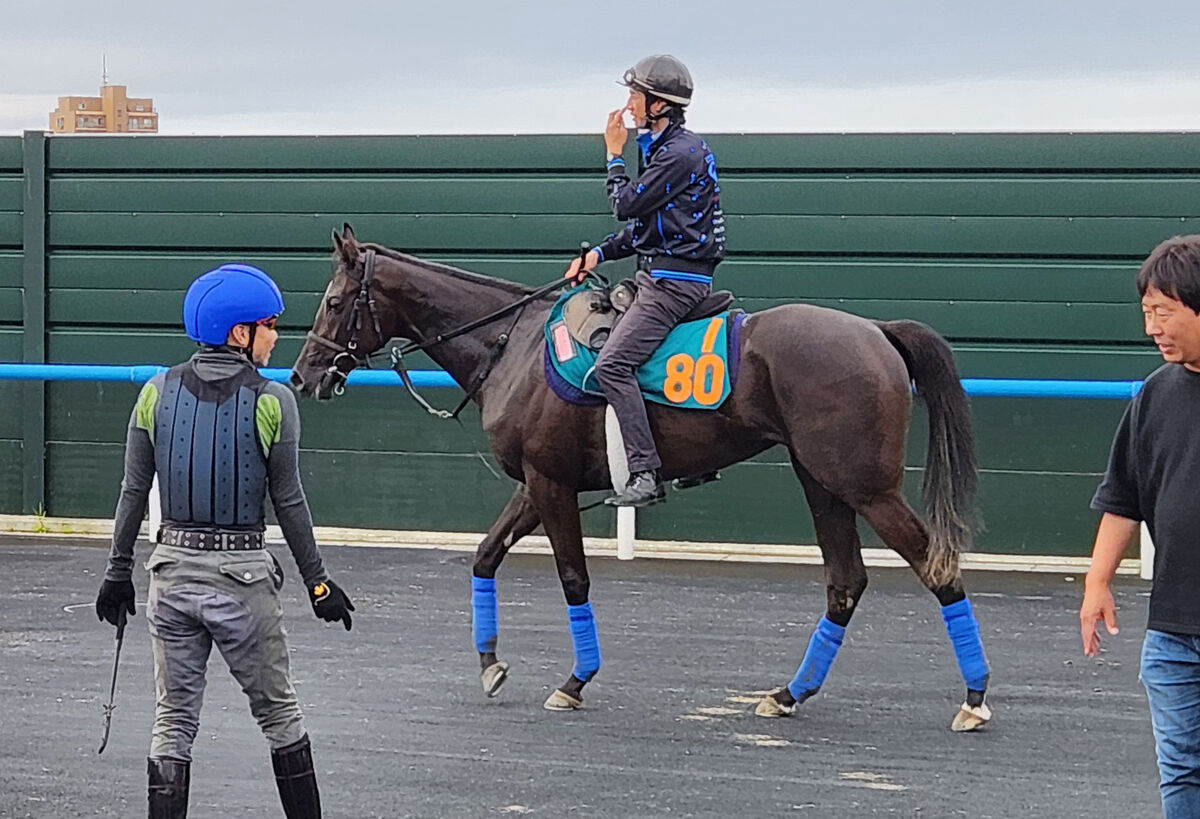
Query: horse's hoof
{"x": 971, "y": 719}
{"x": 768, "y": 706}
{"x": 560, "y": 701}
{"x": 493, "y": 677}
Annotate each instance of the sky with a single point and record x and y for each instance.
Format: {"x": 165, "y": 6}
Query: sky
{"x": 436, "y": 67}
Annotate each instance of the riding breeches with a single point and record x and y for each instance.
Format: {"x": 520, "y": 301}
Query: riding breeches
{"x": 658, "y": 308}
{"x": 230, "y": 599}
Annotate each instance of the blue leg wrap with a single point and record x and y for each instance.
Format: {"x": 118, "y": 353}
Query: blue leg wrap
{"x": 968, "y": 648}
{"x": 484, "y": 605}
{"x": 822, "y": 649}
{"x": 587, "y": 642}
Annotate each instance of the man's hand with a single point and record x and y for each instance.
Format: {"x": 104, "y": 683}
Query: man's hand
{"x": 615, "y": 132}
{"x": 114, "y": 595}
{"x": 330, "y": 603}
{"x": 1097, "y": 605}
{"x": 577, "y": 275}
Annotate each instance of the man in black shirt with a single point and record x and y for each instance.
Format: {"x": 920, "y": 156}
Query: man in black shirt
{"x": 1152, "y": 476}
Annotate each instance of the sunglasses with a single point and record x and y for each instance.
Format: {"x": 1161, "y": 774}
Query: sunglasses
{"x": 269, "y": 323}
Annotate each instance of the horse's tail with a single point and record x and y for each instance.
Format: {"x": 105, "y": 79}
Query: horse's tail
{"x": 951, "y": 474}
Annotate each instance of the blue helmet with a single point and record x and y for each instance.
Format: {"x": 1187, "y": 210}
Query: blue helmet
{"x": 230, "y": 295}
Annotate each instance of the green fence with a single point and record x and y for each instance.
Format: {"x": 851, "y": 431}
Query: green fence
{"x": 1020, "y": 248}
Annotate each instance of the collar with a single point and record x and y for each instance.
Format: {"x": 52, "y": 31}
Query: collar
{"x": 648, "y": 140}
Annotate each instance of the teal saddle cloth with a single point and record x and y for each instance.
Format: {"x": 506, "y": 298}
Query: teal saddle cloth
{"x": 694, "y": 368}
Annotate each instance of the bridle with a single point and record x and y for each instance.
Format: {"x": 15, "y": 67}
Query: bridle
{"x": 364, "y": 306}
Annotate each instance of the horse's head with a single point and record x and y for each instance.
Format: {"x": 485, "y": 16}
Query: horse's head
{"x": 347, "y": 327}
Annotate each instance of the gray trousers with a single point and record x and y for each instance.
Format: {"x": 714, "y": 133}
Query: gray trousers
{"x": 659, "y": 306}
{"x": 230, "y": 599}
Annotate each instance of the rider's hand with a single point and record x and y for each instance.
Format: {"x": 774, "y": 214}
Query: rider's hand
{"x": 1097, "y": 605}
{"x": 330, "y": 603}
{"x": 615, "y": 132}
{"x": 575, "y": 274}
{"x": 114, "y": 595}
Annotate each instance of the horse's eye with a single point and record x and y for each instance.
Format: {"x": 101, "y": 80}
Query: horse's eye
{"x": 332, "y": 304}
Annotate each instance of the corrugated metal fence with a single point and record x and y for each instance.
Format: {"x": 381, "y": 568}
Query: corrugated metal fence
{"x": 1020, "y": 248}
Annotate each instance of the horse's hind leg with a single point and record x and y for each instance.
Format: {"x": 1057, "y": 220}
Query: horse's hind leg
{"x": 900, "y": 528}
{"x": 518, "y": 519}
{"x": 845, "y": 581}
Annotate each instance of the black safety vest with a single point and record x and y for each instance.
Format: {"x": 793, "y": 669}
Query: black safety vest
{"x": 209, "y": 459}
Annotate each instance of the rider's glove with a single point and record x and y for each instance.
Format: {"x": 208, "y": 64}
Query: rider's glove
{"x": 114, "y": 595}
{"x": 330, "y": 603}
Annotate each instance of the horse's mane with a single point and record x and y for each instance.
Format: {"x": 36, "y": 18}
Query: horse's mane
{"x": 458, "y": 273}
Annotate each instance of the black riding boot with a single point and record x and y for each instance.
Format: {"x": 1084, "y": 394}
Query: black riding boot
{"x": 643, "y": 489}
{"x": 168, "y": 790}
{"x": 297, "y": 780}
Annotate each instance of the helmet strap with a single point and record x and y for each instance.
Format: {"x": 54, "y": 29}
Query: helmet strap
{"x": 671, "y": 112}
{"x": 249, "y": 350}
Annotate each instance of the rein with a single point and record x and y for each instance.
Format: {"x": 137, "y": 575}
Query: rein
{"x": 364, "y": 302}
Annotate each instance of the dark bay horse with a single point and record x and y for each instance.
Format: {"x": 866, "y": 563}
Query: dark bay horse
{"x": 833, "y": 388}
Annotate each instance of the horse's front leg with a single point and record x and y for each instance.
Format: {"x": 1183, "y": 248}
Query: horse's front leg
{"x": 558, "y": 506}
{"x": 517, "y": 520}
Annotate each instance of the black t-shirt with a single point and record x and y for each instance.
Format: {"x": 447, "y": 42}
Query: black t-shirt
{"x": 1154, "y": 476}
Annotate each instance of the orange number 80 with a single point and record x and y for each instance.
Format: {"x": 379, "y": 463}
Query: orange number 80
{"x": 702, "y": 380}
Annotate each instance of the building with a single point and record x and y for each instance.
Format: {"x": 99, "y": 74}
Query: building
{"x": 110, "y": 113}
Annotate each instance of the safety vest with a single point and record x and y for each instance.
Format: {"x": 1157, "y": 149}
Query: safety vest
{"x": 210, "y": 463}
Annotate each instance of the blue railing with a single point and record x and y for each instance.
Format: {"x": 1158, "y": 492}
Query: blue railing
{"x": 141, "y": 373}
{"x": 1006, "y": 387}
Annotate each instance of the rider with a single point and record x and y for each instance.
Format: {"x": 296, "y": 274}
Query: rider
{"x": 675, "y": 226}
{"x": 220, "y": 436}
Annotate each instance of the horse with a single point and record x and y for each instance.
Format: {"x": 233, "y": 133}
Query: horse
{"x": 835, "y": 389}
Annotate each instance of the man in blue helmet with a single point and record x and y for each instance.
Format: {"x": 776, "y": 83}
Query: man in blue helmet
{"x": 220, "y": 436}
{"x": 677, "y": 229}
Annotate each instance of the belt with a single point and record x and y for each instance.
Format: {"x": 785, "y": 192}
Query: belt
{"x": 211, "y": 541}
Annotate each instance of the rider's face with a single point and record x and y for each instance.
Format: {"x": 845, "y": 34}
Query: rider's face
{"x": 637, "y": 107}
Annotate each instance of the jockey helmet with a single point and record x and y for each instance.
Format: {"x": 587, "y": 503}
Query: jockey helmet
{"x": 662, "y": 76}
{"x": 231, "y": 294}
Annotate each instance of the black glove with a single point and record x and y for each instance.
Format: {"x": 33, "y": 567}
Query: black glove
{"x": 114, "y": 595}
{"x": 330, "y": 603}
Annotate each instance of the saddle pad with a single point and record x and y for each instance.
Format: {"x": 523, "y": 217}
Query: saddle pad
{"x": 694, "y": 368}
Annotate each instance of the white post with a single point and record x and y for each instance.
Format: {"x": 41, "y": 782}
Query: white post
{"x": 154, "y": 514}
{"x": 618, "y": 469}
{"x": 1146, "y": 553}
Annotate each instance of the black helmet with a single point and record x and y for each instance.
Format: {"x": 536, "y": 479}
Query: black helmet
{"x": 662, "y": 76}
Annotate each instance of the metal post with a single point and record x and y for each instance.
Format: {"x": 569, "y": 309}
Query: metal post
{"x": 618, "y": 469}
{"x": 33, "y": 335}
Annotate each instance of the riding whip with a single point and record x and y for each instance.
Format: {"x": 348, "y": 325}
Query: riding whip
{"x": 112, "y": 691}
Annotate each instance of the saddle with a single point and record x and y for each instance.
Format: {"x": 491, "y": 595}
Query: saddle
{"x": 591, "y": 314}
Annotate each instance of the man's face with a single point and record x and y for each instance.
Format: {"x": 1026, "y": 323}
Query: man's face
{"x": 265, "y": 336}
{"x": 637, "y": 107}
{"x": 264, "y": 342}
{"x": 1174, "y": 328}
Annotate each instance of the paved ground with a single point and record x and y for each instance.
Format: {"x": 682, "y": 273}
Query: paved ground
{"x": 401, "y": 729}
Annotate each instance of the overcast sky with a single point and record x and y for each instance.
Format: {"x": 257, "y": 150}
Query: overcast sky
{"x": 366, "y": 66}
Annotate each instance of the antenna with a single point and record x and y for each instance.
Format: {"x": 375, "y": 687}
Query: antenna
{"x": 104, "y": 68}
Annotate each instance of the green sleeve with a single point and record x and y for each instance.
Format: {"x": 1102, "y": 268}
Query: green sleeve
{"x": 269, "y": 417}
{"x": 144, "y": 411}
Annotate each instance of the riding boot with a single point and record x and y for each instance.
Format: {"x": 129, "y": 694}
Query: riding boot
{"x": 168, "y": 789}
{"x": 297, "y": 781}
{"x": 643, "y": 489}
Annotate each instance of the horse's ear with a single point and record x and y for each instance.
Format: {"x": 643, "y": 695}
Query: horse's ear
{"x": 346, "y": 244}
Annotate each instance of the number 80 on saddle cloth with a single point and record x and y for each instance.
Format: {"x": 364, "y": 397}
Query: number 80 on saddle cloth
{"x": 694, "y": 368}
